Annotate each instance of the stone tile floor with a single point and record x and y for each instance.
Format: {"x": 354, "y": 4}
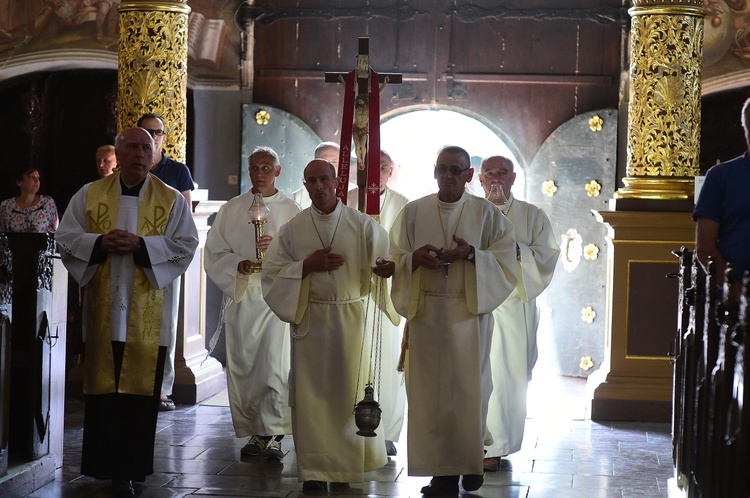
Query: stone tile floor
{"x": 565, "y": 454}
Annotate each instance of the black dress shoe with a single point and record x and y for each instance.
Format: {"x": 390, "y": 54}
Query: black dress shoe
{"x": 472, "y": 482}
{"x": 314, "y": 486}
{"x": 390, "y": 448}
{"x": 441, "y": 485}
{"x": 122, "y": 488}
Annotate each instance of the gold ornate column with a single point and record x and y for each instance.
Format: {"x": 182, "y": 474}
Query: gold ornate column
{"x": 152, "y": 77}
{"x": 666, "y": 50}
{"x": 152, "y": 67}
{"x": 650, "y": 216}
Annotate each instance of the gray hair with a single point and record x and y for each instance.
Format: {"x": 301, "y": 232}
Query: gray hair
{"x": 268, "y": 151}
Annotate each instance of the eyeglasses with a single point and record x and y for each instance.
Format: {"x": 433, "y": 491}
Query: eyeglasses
{"x": 156, "y": 133}
{"x": 442, "y": 169}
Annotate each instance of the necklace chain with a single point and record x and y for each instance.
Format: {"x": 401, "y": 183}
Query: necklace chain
{"x": 442, "y": 227}
{"x": 312, "y": 218}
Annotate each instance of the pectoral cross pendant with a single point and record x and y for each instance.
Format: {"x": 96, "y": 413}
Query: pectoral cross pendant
{"x": 444, "y": 264}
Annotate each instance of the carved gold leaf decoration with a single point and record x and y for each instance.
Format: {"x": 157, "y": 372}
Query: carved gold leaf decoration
{"x": 593, "y": 188}
{"x": 591, "y": 252}
{"x": 664, "y": 113}
{"x": 145, "y": 85}
{"x": 595, "y": 123}
{"x": 586, "y": 363}
{"x": 588, "y": 314}
{"x": 262, "y": 117}
{"x": 549, "y": 188}
{"x": 152, "y": 72}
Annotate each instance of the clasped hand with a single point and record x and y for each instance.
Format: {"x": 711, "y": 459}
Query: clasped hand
{"x": 384, "y": 268}
{"x": 323, "y": 260}
{"x": 263, "y": 242}
{"x": 119, "y": 241}
{"x": 432, "y": 257}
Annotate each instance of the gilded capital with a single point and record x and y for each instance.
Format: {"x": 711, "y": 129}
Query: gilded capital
{"x": 152, "y": 67}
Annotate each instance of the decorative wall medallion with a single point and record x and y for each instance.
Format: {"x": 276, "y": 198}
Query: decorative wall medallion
{"x": 571, "y": 249}
{"x": 262, "y": 117}
{"x": 549, "y": 188}
{"x": 588, "y": 314}
{"x": 593, "y": 188}
{"x": 586, "y": 363}
{"x": 591, "y": 252}
{"x": 595, "y": 123}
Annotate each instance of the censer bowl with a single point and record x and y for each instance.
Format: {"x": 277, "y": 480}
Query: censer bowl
{"x": 367, "y": 414}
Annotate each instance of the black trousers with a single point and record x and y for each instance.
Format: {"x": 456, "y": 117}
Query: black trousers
{"x": 119, "y": 429}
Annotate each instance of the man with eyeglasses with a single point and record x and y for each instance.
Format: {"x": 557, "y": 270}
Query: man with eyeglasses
{"x": 176, "y": 175}
{"x": 514, "y": 349}
{"x": 455, "y": 257}
{"x": 257, "y": 340}
{"x": 173, "y": 173}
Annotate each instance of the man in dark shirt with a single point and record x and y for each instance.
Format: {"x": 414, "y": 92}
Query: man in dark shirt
{"x": 722, "y": 213}
{"x": 173, "y": 173}
{"x": 176, "y": 175}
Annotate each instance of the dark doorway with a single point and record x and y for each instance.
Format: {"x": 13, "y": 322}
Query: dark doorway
{"x": 55, "y": 121}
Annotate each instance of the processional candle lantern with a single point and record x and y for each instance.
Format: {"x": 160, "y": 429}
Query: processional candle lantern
{"x": 258, "y": 214}
{"x": 497, "y": 195}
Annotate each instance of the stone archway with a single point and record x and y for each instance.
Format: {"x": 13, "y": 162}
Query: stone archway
{"x": 413, "y": 136}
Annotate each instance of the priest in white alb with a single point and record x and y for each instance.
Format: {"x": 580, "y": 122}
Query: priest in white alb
{"x": 393, "y": 390}
{"x": 125, "y": 238}
{"x": 317, "y": 275}
{"x": 325, "y": 150}
{"x": 257, "y": 342}
{"x": 514, "y": 347}
{"x": 455, "y": 257}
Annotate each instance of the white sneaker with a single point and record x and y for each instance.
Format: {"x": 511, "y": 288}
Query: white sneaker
{"x": 255, "y": 446}
{"x": 273, "y": 451}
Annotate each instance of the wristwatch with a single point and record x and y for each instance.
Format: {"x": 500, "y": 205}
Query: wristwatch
{"x": 470, "y": 256}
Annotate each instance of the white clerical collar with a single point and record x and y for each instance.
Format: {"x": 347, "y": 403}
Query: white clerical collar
{"x": 505, "y": 207}
{"x": 266, "y": 197}
{"x": 452, "y": 204}
{"x": 321, "y": 213}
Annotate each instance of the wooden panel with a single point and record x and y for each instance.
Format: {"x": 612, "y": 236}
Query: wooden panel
{"x": 652, "y": 297}
{"x": 523, "y": 74}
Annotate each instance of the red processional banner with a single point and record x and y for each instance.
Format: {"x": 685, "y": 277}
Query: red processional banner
{"x": 372, "y": 187}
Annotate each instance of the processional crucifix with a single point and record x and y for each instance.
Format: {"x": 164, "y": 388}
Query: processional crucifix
{"x": 361, "y": 122}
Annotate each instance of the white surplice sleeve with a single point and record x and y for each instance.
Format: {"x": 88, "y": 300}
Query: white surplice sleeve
{"x": 221, "y": 259}
{"x": 539, "y": 253}
{"x": 75, "y": 244}
{"x": 284, "y": 289}
{"x": 377, "y": 244}
{"x": 170, "y": 254}
{"x": 494, "y": 275}
{"x": 405, "y": 291}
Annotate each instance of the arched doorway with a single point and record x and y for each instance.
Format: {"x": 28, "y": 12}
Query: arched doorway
{"x": 413, "y": 136}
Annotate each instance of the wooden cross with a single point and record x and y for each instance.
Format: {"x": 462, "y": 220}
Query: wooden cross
{"x": 360, "y": 129}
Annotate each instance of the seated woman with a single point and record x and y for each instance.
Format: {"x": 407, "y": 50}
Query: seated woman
{"x": 29, "y": 211}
